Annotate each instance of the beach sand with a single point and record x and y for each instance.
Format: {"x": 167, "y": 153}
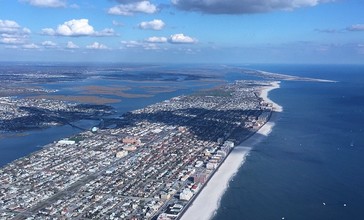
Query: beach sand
{"x": 208, "y": 201}
{"x": 264, "y": 95}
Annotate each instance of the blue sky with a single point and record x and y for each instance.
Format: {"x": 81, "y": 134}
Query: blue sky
{"x": 178, "y": 31}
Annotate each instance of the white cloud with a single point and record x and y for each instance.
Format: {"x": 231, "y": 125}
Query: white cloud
{"x": 8, "y": 26}
{"x": 138, "y": 44}
{"x": 72, "y": 28}
{"x": 71, "y": 45}
{"x": 49, "y": 44}
{"x": 25, "y": 31}
{"x": 97, "y": 46}
{"x": 189, "y": 50}
{"x": 10, "y": 40}
{"x": 12, "y": 33}
{"x": 48, "y": 31}
{"x": 352, "y": 28}
{"x": 77, "y": 28}
{"x": 134, "y": 7}
{"x": 243, "y": 6}
{"x": 356, "y": 27}
{"x": 11, "y": 47}
{"x": 117, "y": 23}
{"x": 47, "y": 3}
{"x": 131, "y": 43}
{"x": 105, "y": 32}
{"x": 156, "y": 40}
{"x": 30, "y": 46}
{"x": 151, "y": 47}
{"x": 181, "y": 39}
{"x": 155, "y": 24}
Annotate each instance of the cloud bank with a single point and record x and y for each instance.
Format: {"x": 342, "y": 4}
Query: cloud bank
{"x": 139, "y": 44}
{"x": 351, "y": 28}
{"x": 356, "y": 27}
{"x": 243, "y": 6}
{"x": 97, "y": 46}
{"x": 77, "y": 28}
{"x": 156, "y": 40}
{"x": 30, "y": 46}
{"x": 12, "y": 33}
{"x": 49, "y": 44}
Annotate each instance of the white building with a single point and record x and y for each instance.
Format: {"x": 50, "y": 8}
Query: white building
{"x": 229, "y": 144}
{"x": 199, "y": 163}
{"x": 186, "y": 194}
{"x": 121, "y": 154}
{"x": 66, "y": 142}
{"x": 211, "y": 165}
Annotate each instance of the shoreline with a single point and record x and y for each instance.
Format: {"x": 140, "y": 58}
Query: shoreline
{"x": 207, "y": 202}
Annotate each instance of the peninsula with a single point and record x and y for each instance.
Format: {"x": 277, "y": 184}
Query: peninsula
{"x": 152, "y": 165}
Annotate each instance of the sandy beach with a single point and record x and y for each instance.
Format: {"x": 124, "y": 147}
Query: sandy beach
{"x": 208, "y": 201}
{"x": 264, "y": 95}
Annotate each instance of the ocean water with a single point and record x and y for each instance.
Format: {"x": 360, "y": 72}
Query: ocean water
{"x": 312, "y": 164}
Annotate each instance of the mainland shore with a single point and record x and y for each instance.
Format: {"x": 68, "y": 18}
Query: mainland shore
{"x": 208, "y": 201}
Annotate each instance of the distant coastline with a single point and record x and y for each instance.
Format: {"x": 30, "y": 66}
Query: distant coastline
{"x": 208, "y": 201}
{"x": 279, "y": 76}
